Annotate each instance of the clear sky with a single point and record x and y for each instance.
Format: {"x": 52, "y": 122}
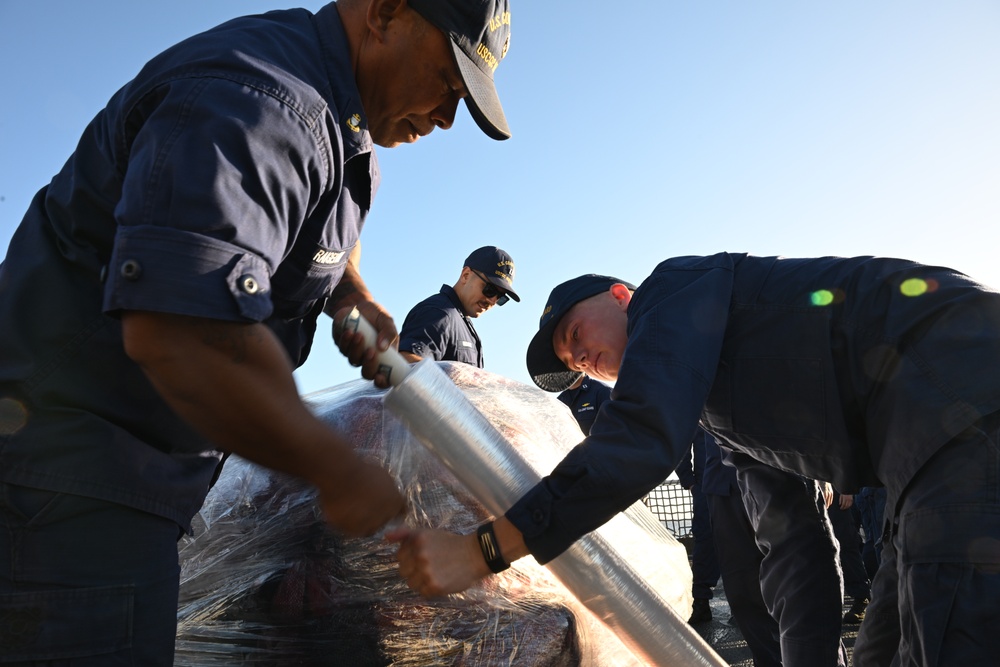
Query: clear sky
{"x": 642, "y": 129}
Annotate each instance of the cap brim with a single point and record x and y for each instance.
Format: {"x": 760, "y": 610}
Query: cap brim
{"x": 545, "y": 368}
{"x": 482, "y": 100}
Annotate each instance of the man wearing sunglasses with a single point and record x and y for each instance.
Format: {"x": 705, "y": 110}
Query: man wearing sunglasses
{"x": 440, "y": 326}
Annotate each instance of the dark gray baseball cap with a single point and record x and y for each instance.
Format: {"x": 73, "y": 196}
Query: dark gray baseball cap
{"x": 480, "y": 35}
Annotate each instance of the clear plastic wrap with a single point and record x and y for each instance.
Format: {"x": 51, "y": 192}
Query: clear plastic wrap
{"x": 264, "y": 581}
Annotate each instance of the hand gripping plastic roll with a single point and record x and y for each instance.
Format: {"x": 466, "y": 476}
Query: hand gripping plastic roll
{"x": 446, "y": 422}
{"x": 391, "y": 362}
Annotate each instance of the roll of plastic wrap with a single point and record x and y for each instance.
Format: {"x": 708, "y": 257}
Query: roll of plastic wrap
{"x": 447, "y": 423}
{"x": 391, "y": 362}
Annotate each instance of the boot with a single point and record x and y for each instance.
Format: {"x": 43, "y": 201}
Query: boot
{"x": 701, "y": 612}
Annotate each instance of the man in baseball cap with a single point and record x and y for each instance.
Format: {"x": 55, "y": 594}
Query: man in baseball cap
{"x": 479, "y": 31}
{"x": 440, "y": 326}
{"x": 161, "y": 238}
{"x": 858, "y": 371}
{"x": 496, "y": 267}
{"x": 546, "y": 369}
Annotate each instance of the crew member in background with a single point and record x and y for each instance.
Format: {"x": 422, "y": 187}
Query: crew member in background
{"x": 704, "y": 564}
{"x": 584, "y": 399}
{"x": 848, "y": 533}
{"x": 440, "y": 326}
{"x": 870, "y": 502}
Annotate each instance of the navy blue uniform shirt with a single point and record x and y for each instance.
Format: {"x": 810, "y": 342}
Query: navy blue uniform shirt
{"x": 851, "y": 371}
{"x": 585, "y": 401}
{"x": 437, "y": 328}
{"x": 228, "y": 180}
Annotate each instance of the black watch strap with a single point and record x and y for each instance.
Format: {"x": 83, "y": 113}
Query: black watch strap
{"x": 491, "y": 550}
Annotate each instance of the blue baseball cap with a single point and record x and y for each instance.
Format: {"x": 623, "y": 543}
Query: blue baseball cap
{"x": 545, "y": 368}
{"x": 496, "y": 266}
{"x": 479, "y": 31}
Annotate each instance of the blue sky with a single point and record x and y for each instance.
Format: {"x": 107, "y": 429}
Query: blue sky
{"x": 642, "y": 129}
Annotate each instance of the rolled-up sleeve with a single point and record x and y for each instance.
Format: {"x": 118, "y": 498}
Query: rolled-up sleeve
{"x": 220, "y": 177}
{"x": 427, "y": 332}
{"x": 168, "y": 270}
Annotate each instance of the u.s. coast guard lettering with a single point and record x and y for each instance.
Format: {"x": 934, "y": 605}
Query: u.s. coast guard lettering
{"x": 484, "y": 52}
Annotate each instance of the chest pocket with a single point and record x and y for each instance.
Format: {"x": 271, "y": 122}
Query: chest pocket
{"x": 466, "y": 352}
{"x": 319, "y": 253}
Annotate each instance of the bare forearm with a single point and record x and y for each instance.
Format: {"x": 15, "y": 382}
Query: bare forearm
{"x": 233, "y": 383}
{"x": 351, "y": 290}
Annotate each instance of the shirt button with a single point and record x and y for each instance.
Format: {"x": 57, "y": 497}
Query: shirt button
{"x": 538, "y": 516}
{"x": 131, "y": 269}
{"x": 249, "y": 284}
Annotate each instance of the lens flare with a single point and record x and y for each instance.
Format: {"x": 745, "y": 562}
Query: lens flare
{"x": 13, "y": 416}
{"x": 913, "y": 287}
{"x": 917, "y": 286}
{"x": 827, "y": 297}
{"x": 822, "y": 297}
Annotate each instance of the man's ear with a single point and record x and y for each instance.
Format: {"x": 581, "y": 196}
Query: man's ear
{"x": 622, "y": 295}
{"x": 380, "y": 13}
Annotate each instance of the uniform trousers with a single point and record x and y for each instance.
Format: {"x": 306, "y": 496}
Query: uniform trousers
{"x": 800, "y": 576}
{"x": 85, "y": 582}
{"x": 704, "y": 563}
{"x": 846, "y": 530}
{"x": 870, "y": 502}
{"x": 739, "y": 561}
{"x": 936, "y": 596}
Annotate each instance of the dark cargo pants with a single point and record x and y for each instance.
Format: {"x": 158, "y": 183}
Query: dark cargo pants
{"x": 800, "y": 575}
{"x": 936, "y": 597}
{"x": 84, "y": 582}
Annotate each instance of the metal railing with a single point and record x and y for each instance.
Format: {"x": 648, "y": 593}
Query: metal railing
{"x": 673, "y": 506}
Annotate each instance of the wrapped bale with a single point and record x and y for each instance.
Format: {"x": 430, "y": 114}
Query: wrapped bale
{"x": 265, "y": 581}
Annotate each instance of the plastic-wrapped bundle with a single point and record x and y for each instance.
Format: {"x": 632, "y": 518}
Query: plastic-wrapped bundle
{"x": 265, "y": 581}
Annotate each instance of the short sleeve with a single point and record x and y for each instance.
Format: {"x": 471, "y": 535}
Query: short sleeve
{"x": 219, "y": 179}
{"x": 425, "y": 333}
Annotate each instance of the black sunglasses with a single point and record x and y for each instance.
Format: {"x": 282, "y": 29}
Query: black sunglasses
{"x": 490, "y": 290}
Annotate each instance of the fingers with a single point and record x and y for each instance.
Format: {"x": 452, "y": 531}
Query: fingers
{"x": 360, "y": 354}
{"x": 386, "y": 328}
{"x": 399, "y": 534}
{"x": 416, "y": 566}
{"x": 358, "y": 349}
{"x": 354, "y": 347}
{"x": 408, "y": 557}
{"x": 382, "y": 322}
